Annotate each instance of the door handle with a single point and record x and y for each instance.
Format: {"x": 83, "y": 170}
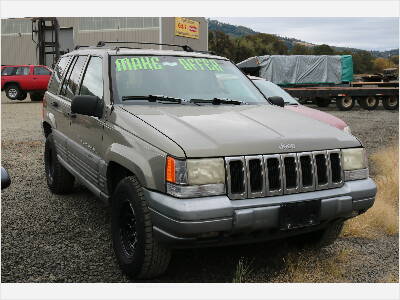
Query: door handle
{"x": 54, "y": 103}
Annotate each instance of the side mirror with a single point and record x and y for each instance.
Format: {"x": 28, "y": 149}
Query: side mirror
{"x": 5, "y": 179}
{"x": 276, "y": 100}
{"x": 87, "y": 105}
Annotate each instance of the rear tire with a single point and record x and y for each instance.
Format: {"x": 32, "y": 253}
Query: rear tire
{"x": 390, "y": 102}
{"x": 345, "y": 103}
{"x": 13, "y": 92}
{"x": 322, "y": 102}
{"x": 369, "y": 102}
{"x": 59, "y": 180}
{"x": 36, "y": 96}
{"x": 324, "y": 237}
{"x": 138, "y": 253}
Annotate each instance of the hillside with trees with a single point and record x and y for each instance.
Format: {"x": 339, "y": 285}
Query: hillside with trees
{"x": 239, "y": 42}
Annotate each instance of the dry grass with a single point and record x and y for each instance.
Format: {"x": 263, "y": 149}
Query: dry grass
{"x": 308, "y": 266}
{"x": 384, "y": 215}
{"x": 243, "y": 269}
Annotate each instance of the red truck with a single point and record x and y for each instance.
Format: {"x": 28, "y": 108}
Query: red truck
{"x": 18, "y": 80}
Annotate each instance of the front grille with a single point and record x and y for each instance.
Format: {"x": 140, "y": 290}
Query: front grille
{"x": 274, "y": 173}
{"x": 290, "y": 172}
{"x": 255, "y": 174}
{"x": 307, "y": 172}
{"x": 322, "y": 169}
{"x": 237, "y": 177}
{"x": 336, "y": 168}
{"x": 280, "y": 174}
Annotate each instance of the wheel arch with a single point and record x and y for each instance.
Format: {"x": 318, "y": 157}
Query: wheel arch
{"x": 47, "y": 129}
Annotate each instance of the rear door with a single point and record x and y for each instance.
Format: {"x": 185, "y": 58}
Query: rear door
{"x": 68, "y": 90}
{"x": 56, "y": 106}
{"x": 23, "y": 76}
{"x": 41, "y": 76}
{"x": 86, "y": 140}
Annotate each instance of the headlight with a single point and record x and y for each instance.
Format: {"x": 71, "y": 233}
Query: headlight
{"x": 355, "y": 164}
{"x": 195, "y": 177}
{"x": 347, "y": 129}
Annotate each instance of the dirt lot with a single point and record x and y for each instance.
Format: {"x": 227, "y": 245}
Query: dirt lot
{"x": 49, "y": 238}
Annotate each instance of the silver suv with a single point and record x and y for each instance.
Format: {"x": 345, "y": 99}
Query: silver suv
{"x": 189, "y": 153}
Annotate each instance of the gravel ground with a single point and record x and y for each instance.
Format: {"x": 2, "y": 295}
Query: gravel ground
{"x": 49, "y": 238}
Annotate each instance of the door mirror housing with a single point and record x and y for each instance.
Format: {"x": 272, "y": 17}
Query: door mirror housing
{"x": 276, "y": 100}
{"x": 87, "y": 105}
{"x": 5, "y": 179}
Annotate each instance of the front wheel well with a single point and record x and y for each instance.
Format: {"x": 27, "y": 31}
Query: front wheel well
{"x": 47, "y": 129}
{"x": 115, "y": 173}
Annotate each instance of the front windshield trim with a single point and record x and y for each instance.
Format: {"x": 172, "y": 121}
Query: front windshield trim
{"x": 257, "y": 95}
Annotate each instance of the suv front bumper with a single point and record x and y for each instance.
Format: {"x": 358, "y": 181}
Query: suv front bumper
{"x": 218, "y": 220}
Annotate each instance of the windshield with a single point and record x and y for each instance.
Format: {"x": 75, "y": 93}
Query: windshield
{"x": 180, "y": 77}
{"x": 270, "y": 89}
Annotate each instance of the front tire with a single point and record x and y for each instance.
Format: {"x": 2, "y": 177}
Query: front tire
{"x": 59, "y": 180}
{"x": 13, "y": 92}
{"x": 138, "y": 253}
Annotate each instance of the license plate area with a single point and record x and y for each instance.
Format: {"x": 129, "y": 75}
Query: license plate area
{"x": 299, "y": 214}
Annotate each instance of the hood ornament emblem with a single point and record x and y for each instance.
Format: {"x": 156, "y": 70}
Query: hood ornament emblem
{"x": 287, "y": 146}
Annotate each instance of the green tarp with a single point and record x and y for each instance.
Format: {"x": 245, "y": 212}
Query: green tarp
{"x": 347, "y": 68}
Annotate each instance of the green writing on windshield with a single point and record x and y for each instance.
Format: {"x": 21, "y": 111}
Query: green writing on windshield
{"x": 138, "y": 63}
{"x": 197, "y": 64}
{"x": 153, "y": 63}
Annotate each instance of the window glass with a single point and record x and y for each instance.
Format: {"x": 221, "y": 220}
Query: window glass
{"x": 58, "y": 73}
{"x": 92, "y": 83}
{"x": 73, "y": 82}
{"x": 8, "y": 71}
{"x": 22, "y": 71}
{"x": 270, "y": 89}
{"x": 181, "y": 77}
{"x": 67, "y": 75}
{"x": 41, "y": 71}
{"x": 71, "y": 85}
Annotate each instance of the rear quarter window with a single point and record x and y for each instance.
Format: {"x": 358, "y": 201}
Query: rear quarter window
{"x": 8, "y": 71}
{"x": 58, "y": 74}
{"x": 41, "y": 71}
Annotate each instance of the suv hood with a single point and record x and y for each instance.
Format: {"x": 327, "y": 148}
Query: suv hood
{"x": 226, "y": 130}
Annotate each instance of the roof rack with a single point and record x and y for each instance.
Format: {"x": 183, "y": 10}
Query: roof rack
{"x": 80, "y": 46}
{"x": 184, "y": 47}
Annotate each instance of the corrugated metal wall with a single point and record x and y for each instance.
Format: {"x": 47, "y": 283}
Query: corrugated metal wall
{"x": 17, "y": 50}
{"x": 20, "y": 49}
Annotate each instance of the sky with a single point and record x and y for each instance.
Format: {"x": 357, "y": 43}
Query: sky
{"x": 363, "y": 33}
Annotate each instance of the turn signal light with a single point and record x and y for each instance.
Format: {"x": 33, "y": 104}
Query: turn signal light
{"x": 170, "y": 170}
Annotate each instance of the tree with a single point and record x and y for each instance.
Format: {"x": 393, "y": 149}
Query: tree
{"x": 381, "y": 63}
{"x": 363, "y": 62}
{"x": 299, "y": 49}
{"x": 323, "y": 50}
{"x": 395, "y": 59}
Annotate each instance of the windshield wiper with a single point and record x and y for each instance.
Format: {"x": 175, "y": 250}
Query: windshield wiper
{"x": 217, "y": 101}
{"x": 153, "y": 98}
